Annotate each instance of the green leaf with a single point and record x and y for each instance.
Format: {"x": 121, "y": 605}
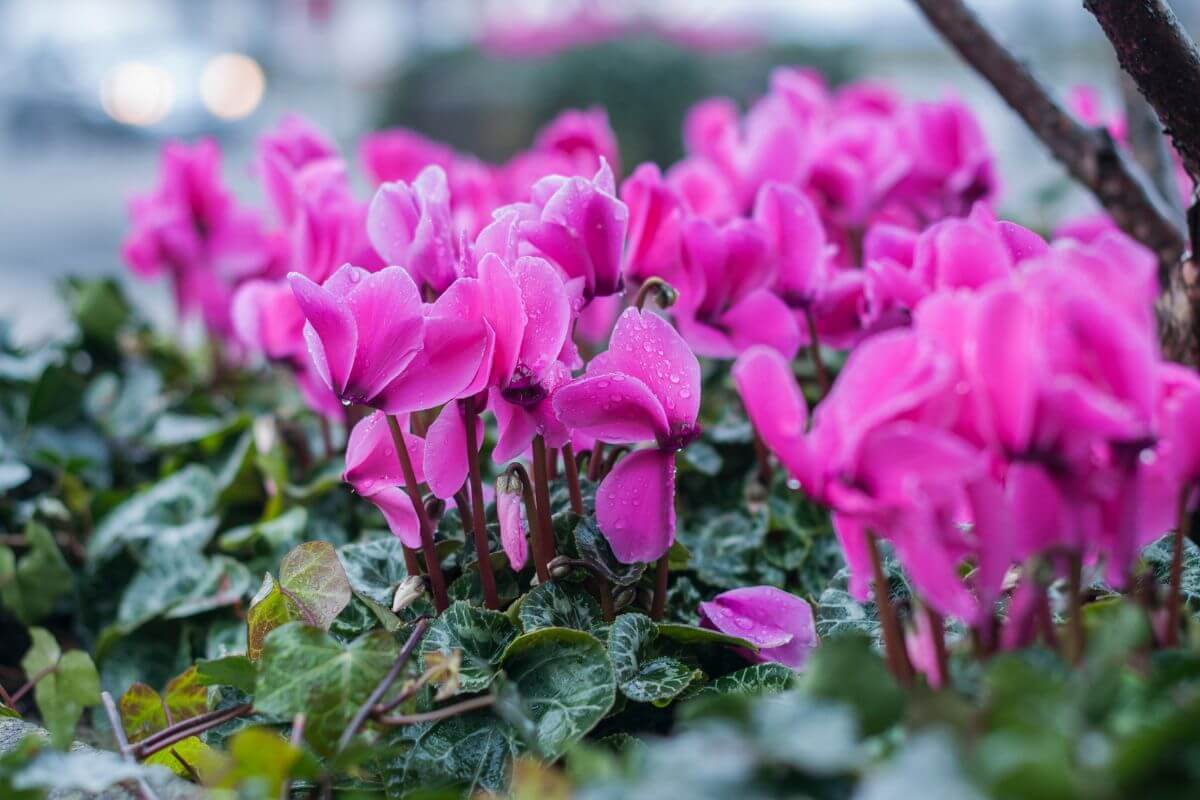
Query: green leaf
{"x": 182, "y": 498}
{"x": 559, "y": 605}
{"x": 88, "y": 771}
{"x": 305, "y": 670}
{"x": 929, "y": 765}
{"x": 703, "y": 458}
{"x": 593, "y": 548}
{"x": 837, "y": 612}
{"x": 724, "y": 547}
{"x": 566, "y": 684}
{"x": 56, "y": 398}
{"x": 759, "y": 679}
{"x": 270, "y": 609}
{"x": 71, "y": 685}
{"x": 236, "y": 671}
{"x": 262, "y": 760}
{"x": 470, "y": 751}
{"x": 177, "y": 581}
{"x": 695, "y": 635}
{"x": 643, "y": 676}
{"x": 313, "y": 575}
{"x": 30, "y": 586}
{"x": 1157, "y": 558}
{"x": 142, "y": 712}
{"x": 185, "y": 695}
{"x": 479, "y": 634}
{"x": 375, "y": 567}
{"x": 275, "y": 536}
{"x": 847, "y": 669}
{"x": 12, "y": 474}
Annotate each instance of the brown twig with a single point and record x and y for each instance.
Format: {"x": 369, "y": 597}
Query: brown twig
{"x": 186, "y": 729}
{"x": 433, "y": 567}
{"x": 1090, "y": 156}
{"x": 114, "y": 719}
{"x": 1164, "y": 61}
{"x": 368, "y": 706}
{"x": 440, "y": 713}
{"x": 487, "y": 578}
{"x": 1149, "y": 146}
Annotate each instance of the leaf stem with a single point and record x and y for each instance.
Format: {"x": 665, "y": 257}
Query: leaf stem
{"x": 29, "y": 684}
{"x": 437, "y": 582}
{"x": 571, "y": 468}
{"x": 893, "y": 637}
{"x": 543, "y": 545}
{"x": 1076, "y": 638}
{"x": 368, "y": 706}
{"x": 440, "y": 713}
{"x": 487, "y": 578}
{"x": 114, "y": 719}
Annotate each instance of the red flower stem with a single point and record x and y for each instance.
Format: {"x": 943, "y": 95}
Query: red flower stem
{"x": 368, "y": 706}
{"x": 187, "y": 729}
{"x": 659, "y": 605}
{"x": 571, "y": 468}
{"x": 1076, "y": 639}
{"x": 552, "y": 464}
{"x": 814, "y": 351}
{"x": 543, "y": 546}
{"x": 437, "y": 582}
{"x": 326, "y": 435}
{"x": 889, "y": 622}
{"x": 487, "y": 578}
{"x": 937, "y": 628}
{"x": 595, "y": 461}
{"x": 763, "y": 457}
{"x": 606, "y": 599}
{"x": 1183, "y": 527}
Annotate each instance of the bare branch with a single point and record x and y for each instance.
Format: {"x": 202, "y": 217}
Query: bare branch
{"x": 1163, "y": 60}
{"x": 1091, "y": 157}
{"x": 1150, "y": 147}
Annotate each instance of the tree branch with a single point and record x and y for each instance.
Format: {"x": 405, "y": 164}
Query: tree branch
{"x": 1163, "y": 60}
{"x": 1090, "y": 156}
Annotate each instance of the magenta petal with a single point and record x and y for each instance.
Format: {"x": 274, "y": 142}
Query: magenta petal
{"x": 851, "y": 534}
{"x": 1006, "y": 365}
{"x": 442, "y": 370}
{"x": 446, "y": 460}
{"x": 505, "y": 312}
{"x": 635, "y": 506}
{"x": 389, "y": 317}
{"x": 509, "y": 510}
{"x": 779, "y": 623}
{"x": 330, "y": 331}
{"x": 371, "y": 463}
{"x": 548, "y": 310}
{"x": 401, "y": 517}
{"x": 645, "y": 346}
{"x": 613, "y": 407}
{"x": 761, "y": 318}
{"x": 797, "y": 237}
{"x": 391, "y": 221}
{"x": 516, "y": 427}
{"x": 775, "y": 405}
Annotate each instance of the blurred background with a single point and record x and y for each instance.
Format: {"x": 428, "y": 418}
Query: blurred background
{"x": 90, "y": 88}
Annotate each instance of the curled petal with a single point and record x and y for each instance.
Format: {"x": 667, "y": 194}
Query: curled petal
{"x": 396, "y": 507}
{"x": 510, "y": 510}
{"x": 613, "y": 407}
{"x": 330, "y": 332}
{"x": 446, "y": 458}
{"x": 443, "y": 369}
{"x": 761, "y": 318}
{"x": 776, "y": 406}
{"x": 779, "y": 623}
{"x": 371, "y": 462}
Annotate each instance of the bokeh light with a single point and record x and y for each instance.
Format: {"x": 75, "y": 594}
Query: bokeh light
{"x": 137, "y": 93}
{"x": 232, "y": 85}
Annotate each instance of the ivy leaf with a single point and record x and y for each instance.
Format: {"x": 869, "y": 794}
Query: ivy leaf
{"x": 262, "y": 760}
{"x": 469, "y": 751}
{"x": 594, "y": 548}
{"x": 83, "y": 770}
{"x": 142, "y": 712}
{"x": 271, "y": 608}
{"x": 236, "y": 671}
{"x": 313, "y": 575}
{"x": 31, "y": 585}
{"x": 695, "y": 635}
{"x": 183, "y": 497}
{"x": 185, "y": 696}
{"x": 566, "y": 684}
{"x": 71, "y": 685}
{"x": 558, "y": 605}
{"x": 375, "y": 567}
{"x": 305, "y": 670}
{"x": 703, "y": 458}
{"x": 479, "y": 634}
{"x": 755, "y": 680}
{"x": 643, "y": 676}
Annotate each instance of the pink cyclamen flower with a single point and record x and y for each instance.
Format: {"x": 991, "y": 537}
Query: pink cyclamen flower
{"x": 281, "y": 153}
{"x": 411, "y": 225}
{"x": 779, "y": 624}
{"x": 328, "y": 226}
{"x": 510, "y": 510}
{"x": 374, "y": 470}
{"x": 646, "y": 387}
{"x": 372, "y": 342}
{"x": 190, "y": 228}
{"x": 579, "y": 226}
{"x": 725, "y": 304}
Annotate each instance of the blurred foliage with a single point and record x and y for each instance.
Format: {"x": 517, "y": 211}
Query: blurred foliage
{"x": 491, "y": 105}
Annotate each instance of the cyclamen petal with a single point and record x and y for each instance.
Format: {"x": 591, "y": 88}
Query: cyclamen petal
{"x": 776, "y": 407}
{"x": 387, "y": 312}
{"x": 761, "y": 318}
{"x": 330, "y": 332}
{"x": 780, "y": 624}
{"x": 446, "y": 459}
{"x": 635, "y": 506}
{"x": 509, "y": 510}
{"x": 371, "y": 462}
{"x": 397, "y": 509}
{"x": 613, "y": 407}
{"x": 444, "y": 368}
